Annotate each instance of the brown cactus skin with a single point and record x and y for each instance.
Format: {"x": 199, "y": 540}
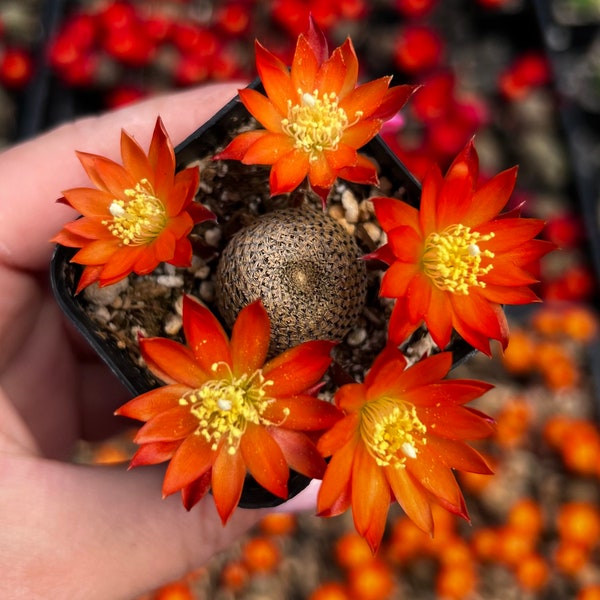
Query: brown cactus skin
{"x": 306, "y": 269}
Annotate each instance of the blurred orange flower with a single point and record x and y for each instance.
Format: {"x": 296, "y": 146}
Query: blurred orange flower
{"x": 454, "y": 262}
{"x": 224, "y": 412}
{"x": 403, "y": 432}
{"x": 315, "y": 116}
{"x": 139, "y": 216}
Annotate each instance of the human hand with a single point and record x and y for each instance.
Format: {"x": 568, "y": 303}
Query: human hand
{"x": 73, "y": 531}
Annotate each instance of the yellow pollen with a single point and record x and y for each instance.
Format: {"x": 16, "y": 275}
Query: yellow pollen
{"x": 452, "y": 259}
{"x": 392, "y": 431}
{"x": 225, "y": 406}
{"x": 139, "y": 218}
{"x": 317, "y": 123}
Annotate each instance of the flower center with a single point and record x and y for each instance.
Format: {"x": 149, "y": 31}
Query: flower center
{"x": 316, "y": 123}
{"x": 225, "y": 406}
{"x": 452, "y": 259}
{"x": 392, "y": 431}
{"x": 140, "y": 218}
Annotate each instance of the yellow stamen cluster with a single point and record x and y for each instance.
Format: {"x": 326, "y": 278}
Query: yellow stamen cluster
{"x": 392, "y": 431}
{"x": 140, "y": 218}
{"x": 317, "y": 123}
{"x": 225, "y": 406}
{"x": 452, "y": 259}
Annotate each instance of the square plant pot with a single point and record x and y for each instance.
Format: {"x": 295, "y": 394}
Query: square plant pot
{"x": 111, "y": 318}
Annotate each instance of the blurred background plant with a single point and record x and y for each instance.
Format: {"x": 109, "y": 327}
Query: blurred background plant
{"x": 523, "y": 77}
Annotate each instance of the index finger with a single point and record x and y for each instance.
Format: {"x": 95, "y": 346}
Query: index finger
{"x": 34, "y": 173}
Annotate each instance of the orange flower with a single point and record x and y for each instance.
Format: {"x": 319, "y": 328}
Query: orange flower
{"x": 315, "y": 117}
{"x": 140, "y": 215}
{"x": 224, "y": 412}
{"x": 454, "y": 262}
{"x": 402, "y": 434}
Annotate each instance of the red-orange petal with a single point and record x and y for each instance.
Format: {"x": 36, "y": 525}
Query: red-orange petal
{"x": 172, "y": 362}
{"x": 394, "y": 99}
{"x": 445, "y": 393}
{"x": 135, "y": 161}
{"x": 194, "y": 492}
{"x": 153, "y": 453}
{"x": 238, "y": 147}
{"x": 183, "y": 191}
{"x": 106, "y": 174}
{"x": 227, "y": 481}
{"x": 339, "y": 434}
{"x": 336, "y": 482}
{"x": 458, "y": 455}
{"x": 320, "y": 173}
{"x": 299, "y": 451}
{"x": 360, "y": 133}
{"x": 193, "y": 458}
{"x": 352, "y": 68}
{"x": 370, "y": 497}
{"x": 302, "y": 412}
{"x": 365, "y": 98}
{"x": 204, "y": 335}
{"x": 343, "y": 156}
{"x": 455, "y": 423}
{"x": 397, "y": 278}
{"x": 351, "y": 397}
{"x": 391, "y": 213}
{"x": 250, "y": 339}
{"x": 87, "y": 228}
{"x": 457, "y": 187}
{"x": 478, "y": 320}
{"x": 90, "y": 202}
{"x": 173, "y": 424}
{"x": 305, "y": 65}
{"x": 412, "y": 498}
{"x": 298, "y": 369}
{"x": 335, "y": 74}
{"x": 489, "y": 199}
{"x": 96, "y": 252}
{"x": 161, "y": 156}
{"x": 428, "y": 370}
{"x": 265, "y": 460}
{"x": 262, "y": 109}
{"x": 268, "y": 149}
{"x": 145, "y": 406}
{"x": 289, "y": 172}
{"x": 275, "y": 77}
{"x": 437, "y": 479}
{"x": 399, "y": 326}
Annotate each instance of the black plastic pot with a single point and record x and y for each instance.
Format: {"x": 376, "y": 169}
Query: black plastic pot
{"x": 205, "y": 142}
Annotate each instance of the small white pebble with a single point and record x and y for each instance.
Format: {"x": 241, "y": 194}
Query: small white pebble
{"x": 172, "y": 324}
{"x": 372, "y": 230}
{"x": 213, "y": 236}
{"x": 350, "y": 205}
{"x": 178, "y": 305}
{"x": 102, "y": 314}
{"x": 106, "y": 295}
{"x": 356, "y": 337}
{"x": 366, "y": 210}
{"x": 170, "y": 281}
{"x": 207, "y": 291}
{"x": 336, "y": 212}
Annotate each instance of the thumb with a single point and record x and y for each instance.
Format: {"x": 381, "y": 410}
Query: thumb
{"x": 73, "y": 531}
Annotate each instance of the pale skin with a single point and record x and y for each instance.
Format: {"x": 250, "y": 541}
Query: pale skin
{"x": 66, "y": 530}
